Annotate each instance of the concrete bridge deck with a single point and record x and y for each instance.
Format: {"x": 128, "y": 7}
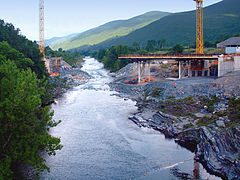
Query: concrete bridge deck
{"x": 136, "y": 58}
{"x": 141, "y": 60}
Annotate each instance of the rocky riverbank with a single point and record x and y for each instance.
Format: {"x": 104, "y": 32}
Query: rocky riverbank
{"x": 72, "y": 78}
{"x": 201, "y": 114}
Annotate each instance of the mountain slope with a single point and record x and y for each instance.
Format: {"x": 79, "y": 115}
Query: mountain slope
{"x": 109, "y": 30}
{"x": 54, "y": 40}
{"x": 220, "y": 20}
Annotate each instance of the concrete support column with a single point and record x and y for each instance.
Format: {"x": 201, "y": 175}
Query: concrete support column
{"x": 149, "y": 71}
{"x": 179, "y": 69}
{"x": 139, "y": 72}
{"x": 142, "y": 69}
{"x": 189, "y": 68}
{"x": 219, "y": 66}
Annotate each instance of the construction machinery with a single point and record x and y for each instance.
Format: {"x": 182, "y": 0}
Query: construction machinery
{"x": 199, "y": 26}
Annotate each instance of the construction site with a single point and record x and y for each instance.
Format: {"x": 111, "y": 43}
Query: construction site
{"x": 54, "y": 65}
{"x": 168, "y": 88}
{"x": 186, "y": 65}
{"x": 190, "y": 65}
{"x": 189, "y": 98}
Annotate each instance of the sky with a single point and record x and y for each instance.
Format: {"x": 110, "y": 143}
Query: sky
{"x": 64, "y": 17}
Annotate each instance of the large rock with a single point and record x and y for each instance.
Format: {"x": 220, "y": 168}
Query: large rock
{"x": 220, "y": 123}
{"x": 219, "y": 151}
{"x": 199, "y": 115}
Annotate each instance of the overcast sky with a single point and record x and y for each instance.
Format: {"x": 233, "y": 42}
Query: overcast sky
{"x": 64, "y": 17}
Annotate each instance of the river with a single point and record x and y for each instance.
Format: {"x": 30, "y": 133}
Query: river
{"x": 99, "y": 142}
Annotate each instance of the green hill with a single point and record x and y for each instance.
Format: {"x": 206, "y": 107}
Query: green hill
{"x": 221, "y": 20}
{"x": 53, "y": 40}
{"x": 109, "y": 30}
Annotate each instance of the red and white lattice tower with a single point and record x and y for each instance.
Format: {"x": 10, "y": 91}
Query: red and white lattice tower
{"x": 41, "y": 32}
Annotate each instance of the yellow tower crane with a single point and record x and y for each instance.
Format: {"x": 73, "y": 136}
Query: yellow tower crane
{"x": 199, "y": 26}
{"x": 41, "y": 32}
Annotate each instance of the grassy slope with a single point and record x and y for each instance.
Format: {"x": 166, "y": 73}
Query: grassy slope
{"x": 220, "y": 20}
{"x": 53, "y": 40}
{"x": 109, "y": 30}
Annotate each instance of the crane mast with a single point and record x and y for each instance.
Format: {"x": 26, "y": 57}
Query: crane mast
{"x": 41, "y": 32}
{"x": 199, "y": 26}
{"x": 41, "y": 28}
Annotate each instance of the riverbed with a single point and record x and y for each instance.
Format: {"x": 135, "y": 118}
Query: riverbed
{"x": 99, "y": 142}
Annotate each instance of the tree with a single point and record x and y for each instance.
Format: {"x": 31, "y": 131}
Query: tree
{"x": 151, "y": 44}
{"x": 110, "y": 60}
{"x": 28, "y": 48}
{"x": 12, "y": 54}
{"x": 136, "y": 46}
{"x": 161, "y": 43}
{"x": 100, "y": 54}
{"x": 24, "y": 123}
{"x": 178, "y": 49}
{"x": 71, "y": 57}
{"x": 208, "y": 44}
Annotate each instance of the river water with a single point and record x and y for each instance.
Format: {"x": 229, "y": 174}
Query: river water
{"x": 99, "y": 142}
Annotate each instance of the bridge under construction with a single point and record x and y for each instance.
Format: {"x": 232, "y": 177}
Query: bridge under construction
{"x": 194, "y": 64}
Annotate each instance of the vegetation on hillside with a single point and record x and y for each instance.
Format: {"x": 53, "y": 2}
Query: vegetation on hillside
{"x": 109, "y": 30}
{"x": 25, "y": 120}
{"x": 28, "y": 48}
{"x": 221, "y": 21}
{"x": 110, "y": 57}
{"x": 73, "y": 58}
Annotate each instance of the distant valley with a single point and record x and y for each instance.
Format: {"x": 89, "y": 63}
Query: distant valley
{"x": 221, "y": 20}
{"x": 107, "y": 31}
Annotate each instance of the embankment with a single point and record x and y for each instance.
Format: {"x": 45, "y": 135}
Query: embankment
{"x": 201, "y": 114}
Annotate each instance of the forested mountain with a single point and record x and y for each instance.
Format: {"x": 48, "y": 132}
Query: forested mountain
{"x": 53, "y": 40}
{"x": 221, "y": 20}
{"x": 109, "y": 30}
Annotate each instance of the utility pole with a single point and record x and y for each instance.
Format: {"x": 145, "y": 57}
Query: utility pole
{"x": 41, "y": 32}
{"x": 199, "y": 26}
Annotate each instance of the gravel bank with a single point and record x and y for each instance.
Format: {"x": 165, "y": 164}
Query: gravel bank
{"x": 72, "y": 78}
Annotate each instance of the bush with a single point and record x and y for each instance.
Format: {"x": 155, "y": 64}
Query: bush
{"x": 156, "y": 92}
{"x": 186, "y": 126}
{"x": 204, "y": 121}
{"x": 234, "y": 110}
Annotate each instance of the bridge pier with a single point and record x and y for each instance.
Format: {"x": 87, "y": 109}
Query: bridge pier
{"x": 189, "y": 69}
{"x": 149, "y": 71}
{"x": 142, "y": 66}
{"x": 179, "y": 70}
{"x": 139, "y": 72}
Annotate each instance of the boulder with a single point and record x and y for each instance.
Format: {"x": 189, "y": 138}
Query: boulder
{"x": 220, "y": 123}
{"x": 199, "y": 115}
